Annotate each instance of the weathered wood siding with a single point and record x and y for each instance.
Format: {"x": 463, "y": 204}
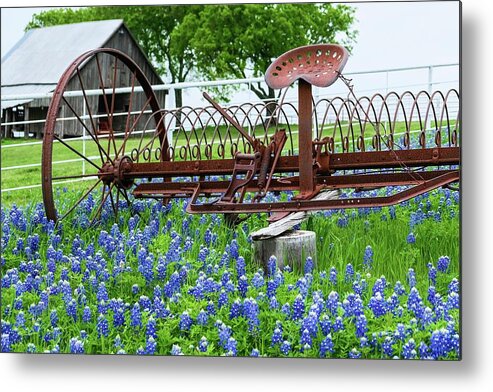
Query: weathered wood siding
{"x": 123, "y": 41}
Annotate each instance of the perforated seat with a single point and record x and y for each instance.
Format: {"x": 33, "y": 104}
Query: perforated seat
{"x": 316, "y": 64}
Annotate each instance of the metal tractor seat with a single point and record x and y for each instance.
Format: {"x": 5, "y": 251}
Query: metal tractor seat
{"x": 318, "y": 65}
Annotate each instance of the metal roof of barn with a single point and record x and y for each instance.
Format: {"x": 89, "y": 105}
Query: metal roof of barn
{"x": 37, "y": 61}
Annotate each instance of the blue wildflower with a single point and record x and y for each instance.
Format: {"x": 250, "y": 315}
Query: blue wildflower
{"x": 368, "y": 258}
{"x": 102, "y": 326}
{"x": 185, "y": 321}
{"x": 203, "y": 344}
{"x": 349, "y": 274}
{"x": 326, "y": 346}
{"x": 443, "y": 264}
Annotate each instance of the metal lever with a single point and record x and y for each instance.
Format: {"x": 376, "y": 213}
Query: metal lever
{"x": 231, "y": 120}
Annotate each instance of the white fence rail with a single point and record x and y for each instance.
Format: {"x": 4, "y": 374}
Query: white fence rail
{"x": 397, "y": 79}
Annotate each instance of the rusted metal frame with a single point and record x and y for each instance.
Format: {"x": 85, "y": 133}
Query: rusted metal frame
{"x": 186, "y": 189}
{"x": 127, "y": 123}
{"x": 122, "y": 147}
{"x": 305, "y": 148}
{"x": 51, "y": 118}
{"x": 111, "y": 138}
{"x": 76, "y": 152}
{"x": 231, "y": 120}
{"x": 289, "y": 164}
{"x": 103, "y": 200}
{"x": 315, "y": 205}
{"x": 88, "y": 107}
{"x": 93, "y": 137}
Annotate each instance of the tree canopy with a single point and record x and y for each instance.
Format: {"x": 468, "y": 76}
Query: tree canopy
{"x": 218, "y": 41}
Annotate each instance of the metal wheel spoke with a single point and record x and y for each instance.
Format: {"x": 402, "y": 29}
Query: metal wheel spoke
{"x": 101, "y": 82}
{"x": 102, "y": 150}
{"x": 103, "y": 200}
{"x": 76, "y": 152}
{"x": 122, "y": 147}
{"x": 80, "y": 200}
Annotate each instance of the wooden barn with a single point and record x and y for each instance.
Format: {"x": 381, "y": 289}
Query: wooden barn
{"x": 34, "y": 66}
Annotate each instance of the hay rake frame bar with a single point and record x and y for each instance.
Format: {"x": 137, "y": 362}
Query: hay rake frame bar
{"x": 334, "y": 155}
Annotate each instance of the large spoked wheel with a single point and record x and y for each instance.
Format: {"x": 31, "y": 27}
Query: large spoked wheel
{"x": 93, "y": 136}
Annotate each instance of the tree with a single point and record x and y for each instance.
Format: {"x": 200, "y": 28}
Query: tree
{"x": 218, "y": 41}
{"x": 240, "y": 41}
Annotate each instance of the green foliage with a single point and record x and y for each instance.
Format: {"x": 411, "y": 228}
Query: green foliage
{"x": 242, "y": 40}
{"x": 218, "y": 41}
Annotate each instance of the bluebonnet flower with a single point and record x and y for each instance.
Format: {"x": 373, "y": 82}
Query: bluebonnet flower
{"x": 118, "y": 317}
{"x": 286, "y": 309}
{"x": 234, "y": 252}
{"x": 443, "y": 264}
{"x": 202, "y": 318}
{"x": 333, "y": 302}
{"x": 151, "y": 328}
{"x": 453, "y": 286}
{"x": 326, "y": 346}
{"x": 102, "y": 326}
{"x": 231, "y": 347}
{"x": 432, "y": 274}
{"x": 20, "y": 319}
{"x": 308, "y": 266}
{"x": 325, "y": 324}
{"x": 285, "y": 347}
{"x": 368, "y": 257}
{"x": 224, "y": 333}
{"x": 379, "y": 286}
{"x": 255, "y": 353}
{"x": 409, "y": 349}
{"x": 387, "y": 346}
{"x": 298, "y": 307}
{"x": 411, "y": 238}
{"x": 86, "y": 314}
{"x": 423, "y": 350}
{"x": 203, "y": 344}
{"x": 135, "y": 316}
{"x": 240, "y": 266}
{"x": 338, "y": 324}
{"x": 31, "y": 348}
{"x": 235, "y": 309}
{"x": 400, "y": 332}
{"x": 361, "y": 326}
{"x": 5, "y": 343}
{"x": 151, "y": 345}
{"x": 271, "y": 265}
{"x": 354, "y": 354}
{"x": 71, "y": 309}
{"x": 333, "y": 276}
{"x": 276, "y": 337}
{"x": 242, "y": 285}
{"x": 185, "y": 321}
{"x": 210, "y": 308}
{"x": 257, "y": 280}
{"x": 223, "y": 299}
{"x": 377, "y": 305}
{"x": 305, "y": 338}
{"x": 411, "y": 277}
{"x": 349, "y": 275}
{"x": 399, "y": 288}
{"x": 176, "y": 350}
{"x": 76, "y": 346}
